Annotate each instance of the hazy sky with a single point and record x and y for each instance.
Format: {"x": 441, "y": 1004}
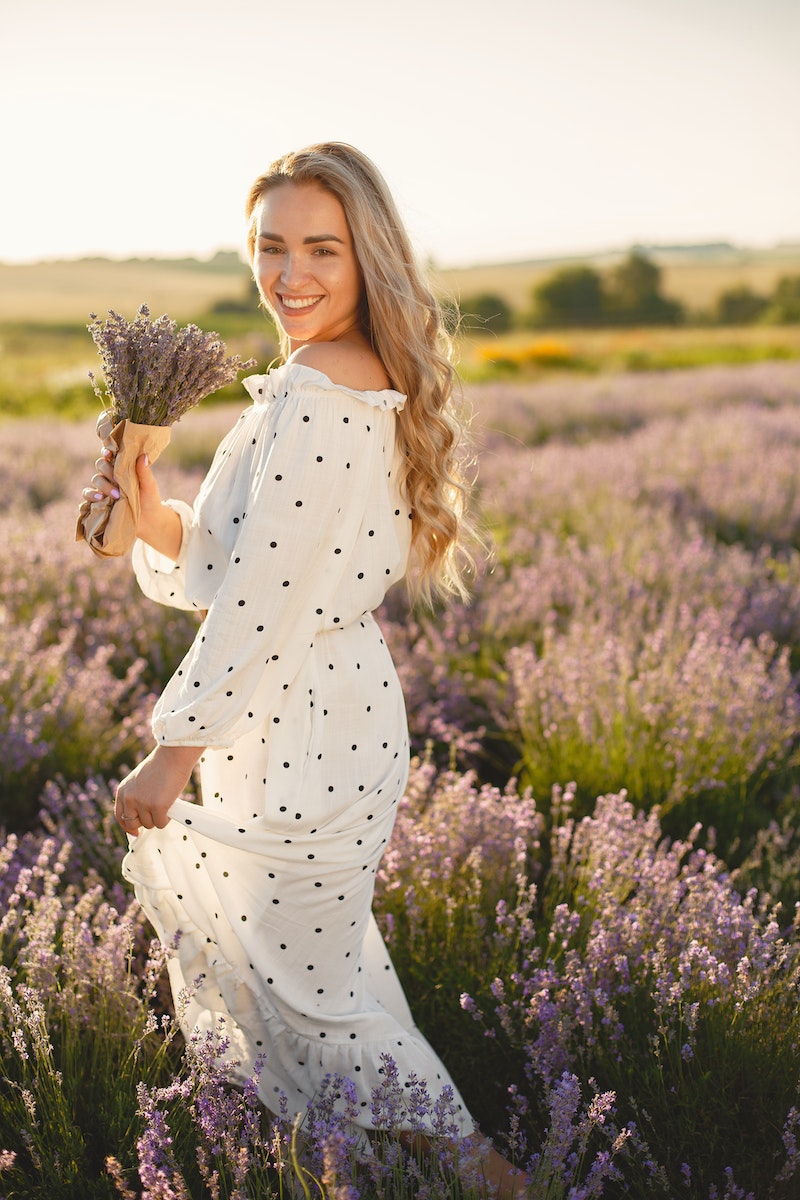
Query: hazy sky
{"x": 506, "y": 128}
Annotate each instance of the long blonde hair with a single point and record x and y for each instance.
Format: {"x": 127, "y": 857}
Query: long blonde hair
{"x": 404, "y": 325}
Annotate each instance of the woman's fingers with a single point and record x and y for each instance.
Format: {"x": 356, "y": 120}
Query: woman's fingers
{"x": 126, "y": 815}
{"x": 102, "y": 485}
{"x": 106, "y": 484}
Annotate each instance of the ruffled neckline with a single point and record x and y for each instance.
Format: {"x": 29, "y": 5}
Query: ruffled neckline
{"x": 263, "y": 389}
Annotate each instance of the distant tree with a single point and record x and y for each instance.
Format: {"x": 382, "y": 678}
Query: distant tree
{"x": 571, "y": 297}
{"x": 739, "y": 305}
{"x": 487, "y": 311}
{"x": 634, "y": 297}
{"x": 784, "y": 306}
{"x": 226, "y": 260}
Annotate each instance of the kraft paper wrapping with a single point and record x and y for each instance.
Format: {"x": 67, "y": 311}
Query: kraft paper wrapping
{"x": 108, "y": 525}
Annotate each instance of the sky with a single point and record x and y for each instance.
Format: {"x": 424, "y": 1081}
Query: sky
{"x": 507, "y": 129}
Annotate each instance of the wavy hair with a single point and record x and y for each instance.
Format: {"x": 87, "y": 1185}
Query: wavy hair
{"x": 403, "y": 322}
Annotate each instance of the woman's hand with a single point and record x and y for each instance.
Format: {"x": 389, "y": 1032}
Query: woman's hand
{"x": 158, "y": 525}
{"x": 145, "y": 797}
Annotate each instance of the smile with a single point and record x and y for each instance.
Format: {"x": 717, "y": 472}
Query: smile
{"x": 299, "y": 301}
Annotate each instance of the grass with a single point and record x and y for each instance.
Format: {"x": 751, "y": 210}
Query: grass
{"x": 44, "y": 366}
{"x": 530, "y": 355}
{"x": 70, "y": 290}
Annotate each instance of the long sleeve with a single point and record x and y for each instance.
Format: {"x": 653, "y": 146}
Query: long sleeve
{"x": 159, "y": 577}
{"x": 289, "y": 497}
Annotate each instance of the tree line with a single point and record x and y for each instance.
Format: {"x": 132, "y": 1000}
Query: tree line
{"x": 629, "y": 293}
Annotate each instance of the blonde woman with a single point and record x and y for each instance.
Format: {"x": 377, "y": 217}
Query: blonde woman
{"x": 345, "y": 465}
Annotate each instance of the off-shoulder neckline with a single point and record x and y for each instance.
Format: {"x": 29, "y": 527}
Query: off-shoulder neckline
{"x": 261, "y": 387}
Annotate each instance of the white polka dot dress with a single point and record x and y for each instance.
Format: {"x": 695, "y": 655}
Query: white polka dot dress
{"x": 298, "y": 530}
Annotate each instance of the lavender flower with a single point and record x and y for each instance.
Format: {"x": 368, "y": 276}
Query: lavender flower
{"x": 153, "y": 371}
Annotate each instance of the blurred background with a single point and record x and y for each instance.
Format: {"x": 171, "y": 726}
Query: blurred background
{"x": 596, "y": 164}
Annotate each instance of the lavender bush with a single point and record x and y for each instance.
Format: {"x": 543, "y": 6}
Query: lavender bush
{"x": 613, "y": 982}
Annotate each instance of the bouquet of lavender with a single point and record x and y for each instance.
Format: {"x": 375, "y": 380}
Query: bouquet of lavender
{"x": 153, "y": 374}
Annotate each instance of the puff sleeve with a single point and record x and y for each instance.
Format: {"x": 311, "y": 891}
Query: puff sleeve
{"x": 315, "y": 465}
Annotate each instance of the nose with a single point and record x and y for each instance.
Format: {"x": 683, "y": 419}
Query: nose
{"x": 294, "y": 270}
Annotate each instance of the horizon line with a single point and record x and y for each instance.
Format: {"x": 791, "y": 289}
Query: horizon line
{"x": 722, "y": 245}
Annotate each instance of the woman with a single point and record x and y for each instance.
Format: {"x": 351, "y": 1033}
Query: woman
{"x": 344, "y": 464}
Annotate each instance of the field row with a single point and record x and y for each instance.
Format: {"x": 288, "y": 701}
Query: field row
{"x": 612, "y": 982}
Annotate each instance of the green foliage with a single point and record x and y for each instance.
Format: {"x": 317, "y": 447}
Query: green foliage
{"x": 704, "y": 354}
{"x": 784, "y": 308}
{"x": 739, "y": 306}
{"x": 633, "y": 294}
{"x": 84, "y": 1035}
{"x": 580, "y": 297}
{"x": 571, "y": 298}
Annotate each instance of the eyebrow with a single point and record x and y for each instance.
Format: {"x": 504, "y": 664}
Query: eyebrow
{"x": 307, "y": 241}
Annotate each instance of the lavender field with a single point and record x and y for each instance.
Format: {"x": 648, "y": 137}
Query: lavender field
{"x": 591, "y": 894}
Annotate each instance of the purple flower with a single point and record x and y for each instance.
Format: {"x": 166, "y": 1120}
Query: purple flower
{"x": 154, "y": 373}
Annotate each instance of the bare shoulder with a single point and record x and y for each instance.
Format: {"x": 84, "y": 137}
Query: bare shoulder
{"x": 345, "y": 363}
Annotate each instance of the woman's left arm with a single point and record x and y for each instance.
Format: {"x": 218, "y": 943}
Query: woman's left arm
{"x": 145, "y": 796}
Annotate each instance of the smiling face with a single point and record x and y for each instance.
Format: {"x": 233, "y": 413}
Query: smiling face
{"x": 305, "y": 264}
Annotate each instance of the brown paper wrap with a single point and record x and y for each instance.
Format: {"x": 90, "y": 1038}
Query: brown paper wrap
{"x": 108, "y": 525}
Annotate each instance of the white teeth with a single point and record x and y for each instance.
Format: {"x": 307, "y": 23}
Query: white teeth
{"x": 299, "y": 303}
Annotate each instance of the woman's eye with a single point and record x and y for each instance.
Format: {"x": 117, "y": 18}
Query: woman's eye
{"x": 323, "y": 251}
{"x": 270, "y": 249}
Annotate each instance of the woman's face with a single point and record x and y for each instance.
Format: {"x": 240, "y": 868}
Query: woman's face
{"x": 305, "y": 265}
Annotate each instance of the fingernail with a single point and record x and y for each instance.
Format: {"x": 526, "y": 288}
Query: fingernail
{"x": 115, "y": 493}
{"x": 98, "y": 496}
{"x": 147, "y": 460}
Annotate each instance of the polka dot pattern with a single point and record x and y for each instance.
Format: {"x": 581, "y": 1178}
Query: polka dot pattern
{"x": 298, "y": 530}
